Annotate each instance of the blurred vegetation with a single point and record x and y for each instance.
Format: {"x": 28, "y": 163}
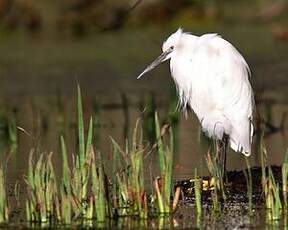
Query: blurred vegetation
{"x": 20, "y": 13}
{"x": 80, "y": 16}
{"x": 37, "y": 39}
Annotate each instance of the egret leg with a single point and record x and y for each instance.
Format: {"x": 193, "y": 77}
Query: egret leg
{"x": 221, "y": 152}
{"x": 225, "y": 145}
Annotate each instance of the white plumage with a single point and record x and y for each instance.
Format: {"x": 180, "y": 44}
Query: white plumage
{"x": 212, "y": 78}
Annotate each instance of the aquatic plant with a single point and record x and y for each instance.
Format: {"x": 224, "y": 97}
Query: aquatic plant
{"x": 263, "y": 155}
{"x": 137, "y": 173}
{"x": 198, "y": 193}
{"x": 41, "y": 189}
{"x": 47, "y": 201}
{"x": 216, "y": 171}
{"x": 83, "y": 161}
{"x": 89, "y": 200}
{"x": 270, "y": 187}
{"x": 273, "y": 201}
{"x": 4, "y": 210}
{"x": 85, "y": 193}
{"x": 13, "y": 132}
{"x": 128, "y": 185}
{"x": 163, "y": 184}
{"x": 64, "y": 212}
{"x": 99, "y": 189}
{"x": 285, "y": 181}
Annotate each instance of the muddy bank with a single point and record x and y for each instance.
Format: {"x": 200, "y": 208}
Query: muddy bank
{"x": 235, "y": 186}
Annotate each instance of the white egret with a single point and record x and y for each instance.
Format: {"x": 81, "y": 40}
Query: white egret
{"x": 212, "y": 78}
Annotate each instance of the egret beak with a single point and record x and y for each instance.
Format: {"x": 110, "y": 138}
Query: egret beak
{"x": 163, "y": 57}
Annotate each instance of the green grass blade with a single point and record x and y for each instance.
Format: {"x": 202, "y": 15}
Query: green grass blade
{"x": 3, "y": 198}
{"x": 198, "y": 193}
{"x": 80, "y": 127}
{"x": 285, "y": 180}
{"x": 66, "y": 170}
{"x": 89, "y": 137}
{"x": 160, "y": 145}
{"x": 168, "y": 179}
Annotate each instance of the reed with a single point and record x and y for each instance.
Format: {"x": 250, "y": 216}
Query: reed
{"x": 273, "y": 201}
{"x": 83, "y": 192}
{"x": 81, "y": 167}
{"x": 163, "y": 185}
{"x": 270, "y": 187}
{"x": 263, "y": 155}
{"x": 198, "y": 193}
{"x": 12, "y": 132}
{"x": 285, "y": 181}
{"x": 216, "y": 171}
{"x": 120, "y": 186}
{"x": 47, "y": 201}
{"x": 128, "y": 188}
{"x": 99, "y": 189}
{"x": 4, "y": 210}
{"x": 65, "y": 215}
{"x": 81, "y": 161}
{"x": 137, "y": 172}
{"x": 41, "y": 189}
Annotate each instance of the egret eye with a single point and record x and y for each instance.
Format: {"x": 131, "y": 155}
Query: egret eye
{"x": 171, "y": 47}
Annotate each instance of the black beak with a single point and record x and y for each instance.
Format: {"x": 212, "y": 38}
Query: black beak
{"x": 156, "y": 62}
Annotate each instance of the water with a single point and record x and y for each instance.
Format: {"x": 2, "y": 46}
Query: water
{"x": 38, "y": 87}
{"x": 44, "y": 118}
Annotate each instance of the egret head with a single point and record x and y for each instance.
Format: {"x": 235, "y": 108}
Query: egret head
{"x": 168, "y": 49}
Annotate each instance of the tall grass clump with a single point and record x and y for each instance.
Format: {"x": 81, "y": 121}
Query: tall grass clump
{"x": 65, "y": 207}
{"x": 129, "y": 197}
{"x": 74, "y": 200}
{"x": 82, "y": 191}
{"x": 4, "y": 211}
{"x": 270, "y": 187}
{"x": 41, "y": 190}
{"x": 273, "y": 201}
{"x": 83, "y": 161}
{"x": 163, "y": 185}
{"x": 79, "y": 194}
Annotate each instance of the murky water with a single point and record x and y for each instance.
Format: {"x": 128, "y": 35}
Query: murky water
{"x": 45, "y": 117}
{"x": 43, "y": 106}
